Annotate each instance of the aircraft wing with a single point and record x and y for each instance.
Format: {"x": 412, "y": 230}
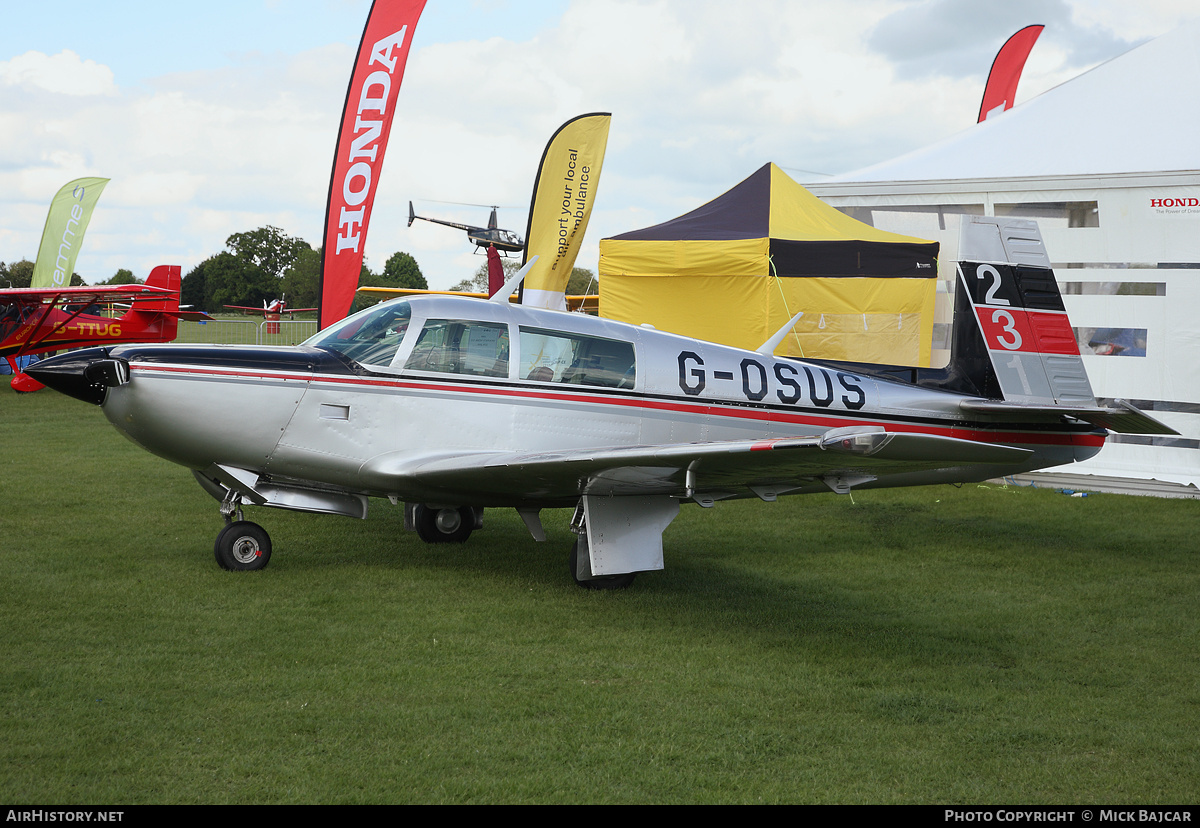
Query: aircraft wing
{"x": 185, "y": 313}
{"x": 837, "y": 459}
{"x": 190, "y": 315}
{"x": 587, "y": 302}
{"x": 392, "y": 293}
{"x": 263, "y": 311}
{"x": 82, "y": 295}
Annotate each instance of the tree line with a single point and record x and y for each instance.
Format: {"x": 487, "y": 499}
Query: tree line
{"x": 264, "y": 264}
{"x": 20, "y": 275}
{"x": 256, "y": 266}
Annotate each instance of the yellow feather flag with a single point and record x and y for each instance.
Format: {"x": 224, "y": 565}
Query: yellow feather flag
{"x": 563, "y": 194}
{"x": 70, "y": 211}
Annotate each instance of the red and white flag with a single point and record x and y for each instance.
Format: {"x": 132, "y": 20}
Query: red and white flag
{"x": 362, "y": 140}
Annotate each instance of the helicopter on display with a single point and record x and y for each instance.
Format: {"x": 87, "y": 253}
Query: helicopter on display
{"x": 504, "y": 241}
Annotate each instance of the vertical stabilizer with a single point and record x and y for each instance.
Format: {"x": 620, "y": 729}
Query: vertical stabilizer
{"x": 157, "y": 315}
{"x": 1007, "y": 286}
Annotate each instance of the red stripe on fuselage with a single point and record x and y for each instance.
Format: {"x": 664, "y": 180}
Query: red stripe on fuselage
{"x": 717, "y": 408}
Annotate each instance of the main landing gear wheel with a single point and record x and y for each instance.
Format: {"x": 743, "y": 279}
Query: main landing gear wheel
{"x": 602, "y": 582}
{"x": 450, "y": 525}
{"x": 242, "y": 546}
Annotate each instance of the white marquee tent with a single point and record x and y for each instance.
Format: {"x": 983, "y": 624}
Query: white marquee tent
{"x": 1109, "y": 165}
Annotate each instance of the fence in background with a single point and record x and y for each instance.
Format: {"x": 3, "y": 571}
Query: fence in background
{"x": 246, "y": 332}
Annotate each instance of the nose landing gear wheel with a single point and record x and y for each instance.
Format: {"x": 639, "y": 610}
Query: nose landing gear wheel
{"x": 242, "y": 546}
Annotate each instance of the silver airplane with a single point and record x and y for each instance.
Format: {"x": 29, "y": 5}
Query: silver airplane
{"x": 450, "y": 405}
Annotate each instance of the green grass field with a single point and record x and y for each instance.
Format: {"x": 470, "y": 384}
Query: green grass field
{"x": 981, "y": 645}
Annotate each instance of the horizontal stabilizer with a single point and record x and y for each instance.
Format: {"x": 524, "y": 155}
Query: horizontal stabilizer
{"x": 1122, "y": 418}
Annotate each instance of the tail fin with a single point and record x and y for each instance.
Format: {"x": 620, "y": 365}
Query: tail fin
{"x": 160, "y": 315}
{"x": 1012, "y": 339}
{"x": 1007, "y": 287}
{"x": 167, "y": 277}
{"x": 1013, "y": 349}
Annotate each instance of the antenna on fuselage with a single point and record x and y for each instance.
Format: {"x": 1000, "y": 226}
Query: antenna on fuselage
{"x": 512, "y": 284}
{"x": 768, "y": 347}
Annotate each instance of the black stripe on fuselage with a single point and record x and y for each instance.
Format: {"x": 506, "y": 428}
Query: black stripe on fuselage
{"x": 244, "y": 358}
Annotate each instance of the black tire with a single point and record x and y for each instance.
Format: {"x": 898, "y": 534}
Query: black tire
{"x": 243, "y": 546}
{"x": 604, "y": 581}
{"x": 450, "y": 525}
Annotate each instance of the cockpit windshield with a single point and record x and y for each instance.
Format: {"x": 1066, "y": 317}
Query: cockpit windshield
{"x": 370, "y": 337}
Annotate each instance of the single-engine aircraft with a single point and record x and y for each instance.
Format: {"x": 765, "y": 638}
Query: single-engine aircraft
{"x": 505, "y": 241}
{"x": 451, "y": 405}
{"x": 271, "y": 310}
{"x": 39, "y": 320}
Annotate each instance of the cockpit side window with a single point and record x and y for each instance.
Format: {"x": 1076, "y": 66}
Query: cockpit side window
{"x": 371, "y": 338}
{"x": 455, "y": 346}
{"x": 554, "y": 356}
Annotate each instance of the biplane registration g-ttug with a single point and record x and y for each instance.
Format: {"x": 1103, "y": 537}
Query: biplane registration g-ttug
{"x": 450, "y": 405}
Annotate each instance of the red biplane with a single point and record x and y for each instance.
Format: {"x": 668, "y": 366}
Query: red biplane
{"x": 275, "y": 308}
{"x": 38, "y": 320}
{"x": 272, "y": 312}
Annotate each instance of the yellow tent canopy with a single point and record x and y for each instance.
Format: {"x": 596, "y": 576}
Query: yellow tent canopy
{"x": 736, "y": 269}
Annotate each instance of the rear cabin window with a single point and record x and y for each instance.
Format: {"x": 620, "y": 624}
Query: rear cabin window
{"x": 454, "y": 346}
{"x": 553, "y": 356}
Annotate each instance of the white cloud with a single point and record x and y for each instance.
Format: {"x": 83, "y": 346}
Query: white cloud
{"x": 63, "y": 74}
{"x": 702, "y": 93}
{"x": 1134, "y": 21}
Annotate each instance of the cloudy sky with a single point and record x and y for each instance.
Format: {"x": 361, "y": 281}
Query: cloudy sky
{"x": 219, "y": 117}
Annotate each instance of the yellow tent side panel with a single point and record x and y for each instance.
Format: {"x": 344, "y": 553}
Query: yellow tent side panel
{"x": 736, "y": 257}
{"x": 733, "y": 311}
{"x": 859, "y": 319}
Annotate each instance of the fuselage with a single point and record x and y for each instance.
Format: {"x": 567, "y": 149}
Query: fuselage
{"x": 414, "y": 380}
